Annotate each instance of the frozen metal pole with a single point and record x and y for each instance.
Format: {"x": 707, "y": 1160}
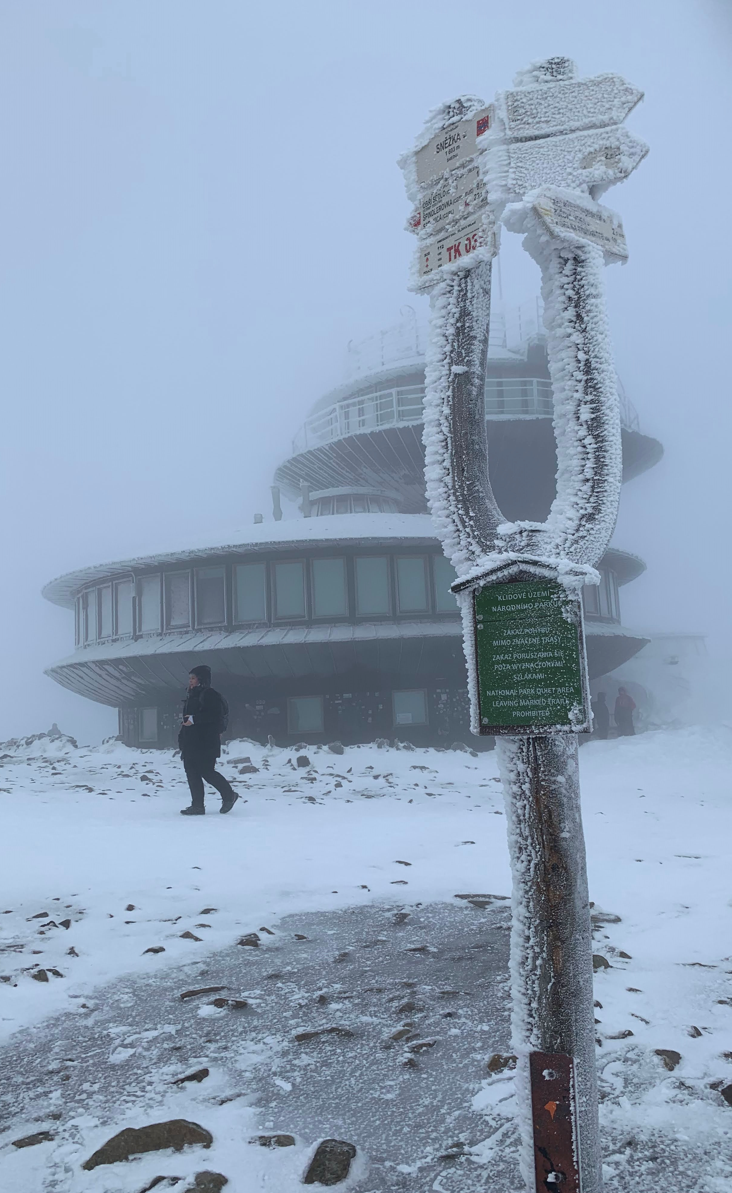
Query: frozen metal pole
{"x": 519, "y": 584}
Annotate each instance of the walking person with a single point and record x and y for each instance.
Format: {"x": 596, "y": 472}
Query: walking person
{"x": 601, "y": 714}
{"x": 205, "y": 715}
{"x": 624, "y": 709}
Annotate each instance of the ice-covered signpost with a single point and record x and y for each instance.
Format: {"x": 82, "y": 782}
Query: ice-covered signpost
{"x": 536, "y": 160}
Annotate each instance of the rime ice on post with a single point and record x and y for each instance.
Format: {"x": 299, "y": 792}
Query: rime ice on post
{"x": 537, "y": 160}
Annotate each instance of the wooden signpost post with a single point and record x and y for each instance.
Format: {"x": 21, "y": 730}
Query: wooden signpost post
{"x": 531, "y": 160}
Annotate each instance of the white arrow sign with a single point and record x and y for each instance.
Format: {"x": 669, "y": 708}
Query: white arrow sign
{"x": 579, "y": 161}
{"x": 592, "y": 222}
{"x": 550, "y": 109}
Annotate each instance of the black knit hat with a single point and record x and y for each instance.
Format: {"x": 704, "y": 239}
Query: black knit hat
{"x": 202, "y": 674}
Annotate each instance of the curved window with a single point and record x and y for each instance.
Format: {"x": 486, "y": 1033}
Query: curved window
{"x": 177, "y": 600}
{"x": 372, "y": 586}
{"x": 105, "y": 611}
{"x": 210, "y": 596}
{"x": 123, "y": 592}
{"x": 90, "y": 615}
{"x": 251, "y": 592}
{"x": 330, "y": 595}
{"x": 412, "y": 584}
{"x": 149, "y": 604}
{"x": 289, "y": 589}
{"x": 444, "y": 575}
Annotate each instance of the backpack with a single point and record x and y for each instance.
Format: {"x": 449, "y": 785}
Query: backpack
{"x": 223, "y": 714}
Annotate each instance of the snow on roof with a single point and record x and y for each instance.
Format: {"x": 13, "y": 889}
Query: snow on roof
{"x": 295, "y": 532}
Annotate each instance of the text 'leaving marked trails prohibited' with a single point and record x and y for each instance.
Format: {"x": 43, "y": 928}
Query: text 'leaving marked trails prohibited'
{"x": 530, "y": 658}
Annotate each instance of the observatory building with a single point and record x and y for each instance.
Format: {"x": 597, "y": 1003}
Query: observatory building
{"x": 338, "y": 624}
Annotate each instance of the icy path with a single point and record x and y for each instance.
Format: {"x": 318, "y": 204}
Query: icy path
{"x": 93, "y": 838}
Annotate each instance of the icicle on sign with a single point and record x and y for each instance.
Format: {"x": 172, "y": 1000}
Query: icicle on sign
{"x": 452, "y": 146}
{"x": 530, "y": 658}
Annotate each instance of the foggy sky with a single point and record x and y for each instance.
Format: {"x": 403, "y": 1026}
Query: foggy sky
{"x": 201, "y": 206}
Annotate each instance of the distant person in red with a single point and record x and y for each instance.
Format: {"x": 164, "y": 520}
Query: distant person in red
{"x": 624, "y": 709}
{"x": 205, "y": 717}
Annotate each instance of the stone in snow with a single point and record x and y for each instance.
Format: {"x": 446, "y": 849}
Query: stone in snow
{"x": 176, "y": 1133}
{"x": 331, "y": 1163}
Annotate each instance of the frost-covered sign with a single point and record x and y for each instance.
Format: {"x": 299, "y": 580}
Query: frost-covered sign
{"x": 530, "y": 659}
{"x": 454, "y": 246}
{"x": 586, "y": 220}
{"x": 450, "y": 200}
{"x": 566, "y": 106}
{"x": 452, "y": 146}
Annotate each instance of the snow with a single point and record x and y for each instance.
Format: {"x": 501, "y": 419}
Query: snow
{"x": 86, "y": 835}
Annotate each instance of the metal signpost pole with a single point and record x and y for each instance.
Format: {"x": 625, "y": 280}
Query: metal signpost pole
{"x": 535, "y": 160}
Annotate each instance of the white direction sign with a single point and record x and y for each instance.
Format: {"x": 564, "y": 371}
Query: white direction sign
{"x": 549, "y": 109}
{"x": 453, "y": 145}
{"x": 597, "y": 224}
{"x": 455, "y": 246}
{"x": 599, "y": 157}
{"x": 453, "y": 198}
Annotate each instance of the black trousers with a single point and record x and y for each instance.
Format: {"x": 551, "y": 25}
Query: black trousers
{"x": 197, "y": 769}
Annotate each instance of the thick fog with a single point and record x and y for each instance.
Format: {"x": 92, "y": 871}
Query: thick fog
{"x": 201, "y": 207}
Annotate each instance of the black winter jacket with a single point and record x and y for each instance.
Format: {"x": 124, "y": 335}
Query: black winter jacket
{"x": 202, "y": 738}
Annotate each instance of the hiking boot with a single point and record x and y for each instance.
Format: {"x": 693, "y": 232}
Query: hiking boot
{"x": 228, "y": 803}
{"x": 193, "y": 811}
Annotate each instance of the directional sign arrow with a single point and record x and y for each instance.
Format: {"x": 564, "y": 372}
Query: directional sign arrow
{"x": 580, "y": 161}
{"x": 550, "y": 109}
{"x": 563, "y": 217}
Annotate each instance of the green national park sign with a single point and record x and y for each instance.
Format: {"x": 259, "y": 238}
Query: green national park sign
{"x": 530, "y": 659}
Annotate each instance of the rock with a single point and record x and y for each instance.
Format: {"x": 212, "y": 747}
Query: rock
{"x": 335, "y": 747}
{"x": 66, "y": 924}
{"x": 304, "y": 1037}
{"x": 621, "y": 1035}
{"x": 40, "y": 975}
{"x": 168, "y": 1181}
{"x": 399, "y": 918}
{"x": 403, "y": 745}
{"x": 190, "y": 936}
{"x": 203, "y": 990}
{"x": 199, "y": 1076}
{"x": 625, "y": 956}
{"x": 498, "y": 1063}
{"x": 604, "y": 917}
{"x": 726, "y": 1092}
{"x": 599, "y": 962}
{"x": 251, "y": 940}
{"x": 299, "y": 936}
{"x": 248, "y": 769}
{"x": 331, "y": 1163}
{"x": 130, "y": 907}
{"x": 274, "y": 1140}
{"x": 158, "y": 948}
{"x": 400, "y": 863}
{"x": 382, "y": 743}
{"x": 176, "y": 1133}
{"x": 207, "y": 1182}
{"x": 40, "y": 915}
{"x": 670, "y": 1058}
{"x": 302, "y": 760}
{"x": 32, "y": 1140}
{"x": 421, "y": 1045}
{"x": 694, "y": 1032}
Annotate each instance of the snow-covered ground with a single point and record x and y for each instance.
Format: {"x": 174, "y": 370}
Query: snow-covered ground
{"x": 97, "y": 868}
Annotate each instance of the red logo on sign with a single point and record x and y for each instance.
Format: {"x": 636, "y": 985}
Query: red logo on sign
{"x": 482, "y": 125}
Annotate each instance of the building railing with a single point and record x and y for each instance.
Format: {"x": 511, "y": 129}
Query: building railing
{"x": 505, "y": 398}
